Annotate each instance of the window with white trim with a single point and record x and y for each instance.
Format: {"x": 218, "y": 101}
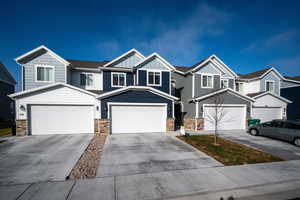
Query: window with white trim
{"x": 270, "y": 86}
{"x": 44, "y": 73}
{"x": 153, "y": 78}
{"x": 224, "y": 83}
{"x": 207, "y": 81}
{"x": 86, "y": 79}
{"x": 239, "y": 87}
{"x": 118, "y": 79}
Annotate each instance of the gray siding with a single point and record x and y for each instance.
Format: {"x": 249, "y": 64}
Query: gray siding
{"x": 209, "y": 68}
{"x": 5, "y": 101}
{"x": 293, "y": 109}
{"x": 136, "y": 97}
{"x": 227, "y": 98}
{"x": 154, "y": 64}
{"x": 179, "y": 80}
{"x": 188, "y": 108}
{"x": 286, "y": 84}
{"x": 128, "y": 61}
{"x": 272, "y": 77}
{"x": 203, "y": 91}
{"x": 43, "y": 59}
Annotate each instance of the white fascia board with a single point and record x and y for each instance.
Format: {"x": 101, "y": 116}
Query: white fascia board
{"x": 48, "y": 50}
{"x": 224, "y": 90}
{"x": 166, "y": 63}
{"x": 290, "y": 80}
{"x": 200, "y": 65}
{"x": 143, "y": 88}
{"x": 124, "y": 55}
{"x": 88, "y": 69}
{"x": 274, "y": 95}
{"x": 264, "y": 74}
{"x": 117, "y": 69}
{"x": 50, "y": 86}
{"x": 226, "y": 66}
{"x": 179, "y": 72}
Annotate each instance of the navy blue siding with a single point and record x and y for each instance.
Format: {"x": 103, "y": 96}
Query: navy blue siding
{"x": 135, "y": 97}
{"x": 165, "y": 87}
{"x": 107, "y": 80}
{"x": 5, "y": 101}
{"x": 293, "y": 94}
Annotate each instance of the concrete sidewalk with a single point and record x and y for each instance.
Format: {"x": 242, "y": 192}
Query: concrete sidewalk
{"x": 276, "y": 180}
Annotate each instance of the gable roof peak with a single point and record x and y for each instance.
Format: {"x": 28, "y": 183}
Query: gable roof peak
{"x": 124, "y": 55}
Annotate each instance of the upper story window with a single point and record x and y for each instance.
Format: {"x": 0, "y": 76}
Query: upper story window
{"x": 224, "y": 83}
{"x": 239, "y": 87}
{"x": 153, "y": 78}
{"x": 207, "y": 81}
{"x": 44, "y": 73}
{"x": 118, "y": 79}
{"x": 86, "y": 79}
{"x": 270, "y": 86}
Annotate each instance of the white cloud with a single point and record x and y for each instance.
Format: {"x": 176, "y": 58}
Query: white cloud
{"x": 182, "y": 42}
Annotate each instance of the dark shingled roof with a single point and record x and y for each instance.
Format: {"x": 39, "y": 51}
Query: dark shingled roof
{"x": 97, "y": 91}
{"x": 254, "y": 74}
{"x": 86, "y": 64}
{"x": 295, "y": 78}
{"x": 185, "y": 69}
{"x": 254, "y": 94}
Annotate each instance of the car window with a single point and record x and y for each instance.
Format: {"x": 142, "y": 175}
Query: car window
{"x": 292, "y": 126}
{"x": 277, "y": 124}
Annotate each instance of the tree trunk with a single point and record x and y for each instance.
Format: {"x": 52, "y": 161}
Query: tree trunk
{"x": 216, "y": 133}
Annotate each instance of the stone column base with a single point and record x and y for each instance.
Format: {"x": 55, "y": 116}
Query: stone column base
{"x": 21, "y": 127}
{"x": 170, "y": 124}
{"x": 194, "y": 124}
{"x": 104, "y": 125}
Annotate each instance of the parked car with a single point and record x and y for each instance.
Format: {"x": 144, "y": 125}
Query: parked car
{"x": 279, "y": 129}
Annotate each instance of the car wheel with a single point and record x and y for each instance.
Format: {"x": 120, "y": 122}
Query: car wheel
{"x": 297, "y": 142}
{"x": 254, "y": 132}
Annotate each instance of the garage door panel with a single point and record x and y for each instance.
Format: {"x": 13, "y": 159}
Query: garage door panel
{"x": 266, "y": 114}
{"x": 61, "y": 119}
{"x": 137, "y": 119}
{"x": 230, "y": 118}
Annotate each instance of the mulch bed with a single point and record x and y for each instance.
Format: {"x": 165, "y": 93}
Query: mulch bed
{"x": 87, "y": 165}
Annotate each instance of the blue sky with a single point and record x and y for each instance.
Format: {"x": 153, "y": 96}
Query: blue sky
{"x": 246, "y": 35}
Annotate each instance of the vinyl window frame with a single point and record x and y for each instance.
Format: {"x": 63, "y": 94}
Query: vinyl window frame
{"x": 44, "y": 66}
{"x": 227, "y": 80}
{"x": 240, "y": 83}
{"x": 160, "y": 78}
{"x": 270, "y": 81}
{"x": 118, "y": 73}
{"x": 86, "y": 73}
{"x": 212, "y": 81}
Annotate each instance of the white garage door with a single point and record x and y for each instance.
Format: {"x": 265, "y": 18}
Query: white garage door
{"x": 231, "y": 117}
{"x": 266, "y": 114}
{"x": 61, "y": 119}
{"x": 138, "y": 118}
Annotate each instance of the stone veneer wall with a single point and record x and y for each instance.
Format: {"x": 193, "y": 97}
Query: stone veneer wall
{"x": 195, "y": 124}
{"x": 104, "y": 125}
{"x": 170, "y": 124}
{"x": 21, "y": 127}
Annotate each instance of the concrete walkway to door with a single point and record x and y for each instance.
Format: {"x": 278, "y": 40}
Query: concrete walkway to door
{"x": 128, "y": 154}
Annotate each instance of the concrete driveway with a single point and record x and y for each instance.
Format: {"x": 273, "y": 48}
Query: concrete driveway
{"x": 40, "y": 158}
{"x": 284, "y": 150}
{"x": 148, "y": 153}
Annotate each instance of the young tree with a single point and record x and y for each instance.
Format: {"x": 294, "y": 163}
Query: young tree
{"x": 216, "y": 115}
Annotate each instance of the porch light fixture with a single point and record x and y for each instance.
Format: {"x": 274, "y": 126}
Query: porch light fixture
{"x": 22, "y": 108}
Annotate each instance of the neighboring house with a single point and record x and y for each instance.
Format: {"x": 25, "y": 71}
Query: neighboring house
{"x": 291, "y": 90}
{"x": 129, "y": 94}
{"x": 7, "y": 86}
{"x": 133, "y": 94}
{"x": 255, "y": 95}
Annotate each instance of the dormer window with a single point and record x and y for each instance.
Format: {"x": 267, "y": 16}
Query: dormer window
{"x": 44, "y": 73}
{"x": 118, "y": 79}
{"x": 154, "y": 78}
{"x": 207, "y": 81}
{"x": 86, "y": 79}
{"x": 270, "y": 86}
